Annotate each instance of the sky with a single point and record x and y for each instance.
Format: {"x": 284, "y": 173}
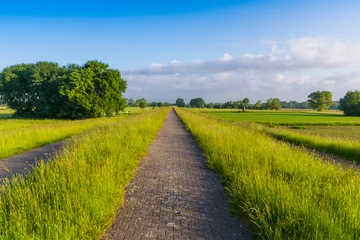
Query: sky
{"x": 219, "y": 50}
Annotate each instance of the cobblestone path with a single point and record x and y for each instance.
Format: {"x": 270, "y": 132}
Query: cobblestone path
{"x": 174, "y": 195}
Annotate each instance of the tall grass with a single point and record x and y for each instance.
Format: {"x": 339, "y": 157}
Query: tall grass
{"x": 346, "y": 149}
{"x": 75, "y": 195}
{"x": 284, "y": 193}
{"x": 42, "y": 132}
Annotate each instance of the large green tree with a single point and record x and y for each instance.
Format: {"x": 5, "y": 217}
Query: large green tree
{"x": 273, "y": 104}
{"x": 350, "y": 104}
{"x": 320, "y": 100}
{"x": 47, "y": 90}
{"x": 180, "y": 102}
{"x": 197, "y": 103}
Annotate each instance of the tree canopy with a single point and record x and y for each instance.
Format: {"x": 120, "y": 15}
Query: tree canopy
{"x": 273, "y": 104}
{"x": 320, "y": 100}
{"x": 180, "y": 102}
{"x": 350, "y": 104}
{"x": 47, "y": 90}
{"x": 197, "y": 103}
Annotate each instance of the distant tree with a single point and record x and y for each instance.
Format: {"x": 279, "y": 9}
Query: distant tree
{"x": 273, "y": 104}
{"x": 210, "y": 105}
{"x": 320, "y": 100}
{"x": 257, "y": 105}
{"x": 143, "y": 105}
{"x": 197, "y": 103}
{"x": 228, "y": 104}
{"x": 138, "y": 101}
{"x": 153, "y": 104}
{"x": 130, "y": 102}
{"x": 166, "y": 104}
{"x": 180, "y": 102}
{"x": 217, "y": 105}
{"x": 245, "y": 102}
{"x": 159, "y": 104}
{"x": 350, "y": 104}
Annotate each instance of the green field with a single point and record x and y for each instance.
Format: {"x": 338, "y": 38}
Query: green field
{"x": 18, "y": 136}
{"x": 5, "y": 113}
{"x": 349, "y": 133}
{"x": 284, "y": 192}
{"x": 288, "y": 118}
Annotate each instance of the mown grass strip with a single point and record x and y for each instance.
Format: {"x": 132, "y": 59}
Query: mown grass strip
{"x": 75, "y": 195}
{"x": 346, "y": 149}
{"x": 13, "y": 141}
{"x": 284, "y": 192}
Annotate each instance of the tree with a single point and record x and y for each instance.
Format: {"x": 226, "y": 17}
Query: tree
{"x": 210, "y": 105}
{"x": 197, "y": 103}
{"x": 130, "y": 102}
{"x": 257, "y": 105}
{"x": 180, "y": 102}
{"x": 320, "y": 100}
{"x": 273, "y": 104}
{"x": 138, "y": 101}
{"x": 159, "y": 104}
{"x": 350, "y": 104}
{"x": 47, "y": 90}
{"x": 143, "y": 105}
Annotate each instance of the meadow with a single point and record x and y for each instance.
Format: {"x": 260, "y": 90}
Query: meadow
{"x": 18, "y": 136}
{"x": 274, "y": 118}
{"x": 330, "y": 132}
{"x": 282, "y": 192}
{"x": 75, "y": 194}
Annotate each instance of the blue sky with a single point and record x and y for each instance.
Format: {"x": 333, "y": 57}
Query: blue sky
{"x": 218, "y": 50}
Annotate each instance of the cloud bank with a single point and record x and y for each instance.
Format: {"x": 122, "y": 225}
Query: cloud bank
{"x": 290, "y": 70}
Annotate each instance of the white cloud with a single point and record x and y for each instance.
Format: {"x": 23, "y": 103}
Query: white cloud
{"x": 290, "y": 70}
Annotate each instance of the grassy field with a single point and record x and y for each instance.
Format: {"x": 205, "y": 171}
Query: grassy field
{"x": 333, "y": 140}
{"x": 283, "y": 192}
{"x": 5, "y": 113}
{"x": 288, "y": 118}
{"x": 21, "y": 135}
{"x": 75, "y": 195}
{"x": 350, "y": 133}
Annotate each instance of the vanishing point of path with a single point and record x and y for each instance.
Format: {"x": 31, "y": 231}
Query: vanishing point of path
{"x": 174, "y": 195}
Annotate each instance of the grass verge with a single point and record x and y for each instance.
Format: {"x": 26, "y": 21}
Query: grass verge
{"x": 285, "y": 193}
{"x": 75, "y": 195}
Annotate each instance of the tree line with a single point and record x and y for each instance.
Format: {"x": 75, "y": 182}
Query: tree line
{"x": 319, "y": 100}
{"x": 48, "y": 90}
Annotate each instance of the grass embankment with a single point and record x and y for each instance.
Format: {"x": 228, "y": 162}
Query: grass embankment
{"x": 344, "y": 148}
{"x": 37, "y": 133}
{"x": 285, "y": 193}
{"x": 275, "y": 118}
{"x": 75, "y": 195}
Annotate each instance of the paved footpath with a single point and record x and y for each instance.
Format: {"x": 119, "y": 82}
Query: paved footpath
{"x": 174, "y": 195}
{"x": 21, "y": 163}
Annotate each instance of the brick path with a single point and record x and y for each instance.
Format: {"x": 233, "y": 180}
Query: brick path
{"x": 174, "y": 195}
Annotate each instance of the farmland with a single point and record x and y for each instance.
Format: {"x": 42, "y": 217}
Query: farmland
{"x": 285, "y": 192}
